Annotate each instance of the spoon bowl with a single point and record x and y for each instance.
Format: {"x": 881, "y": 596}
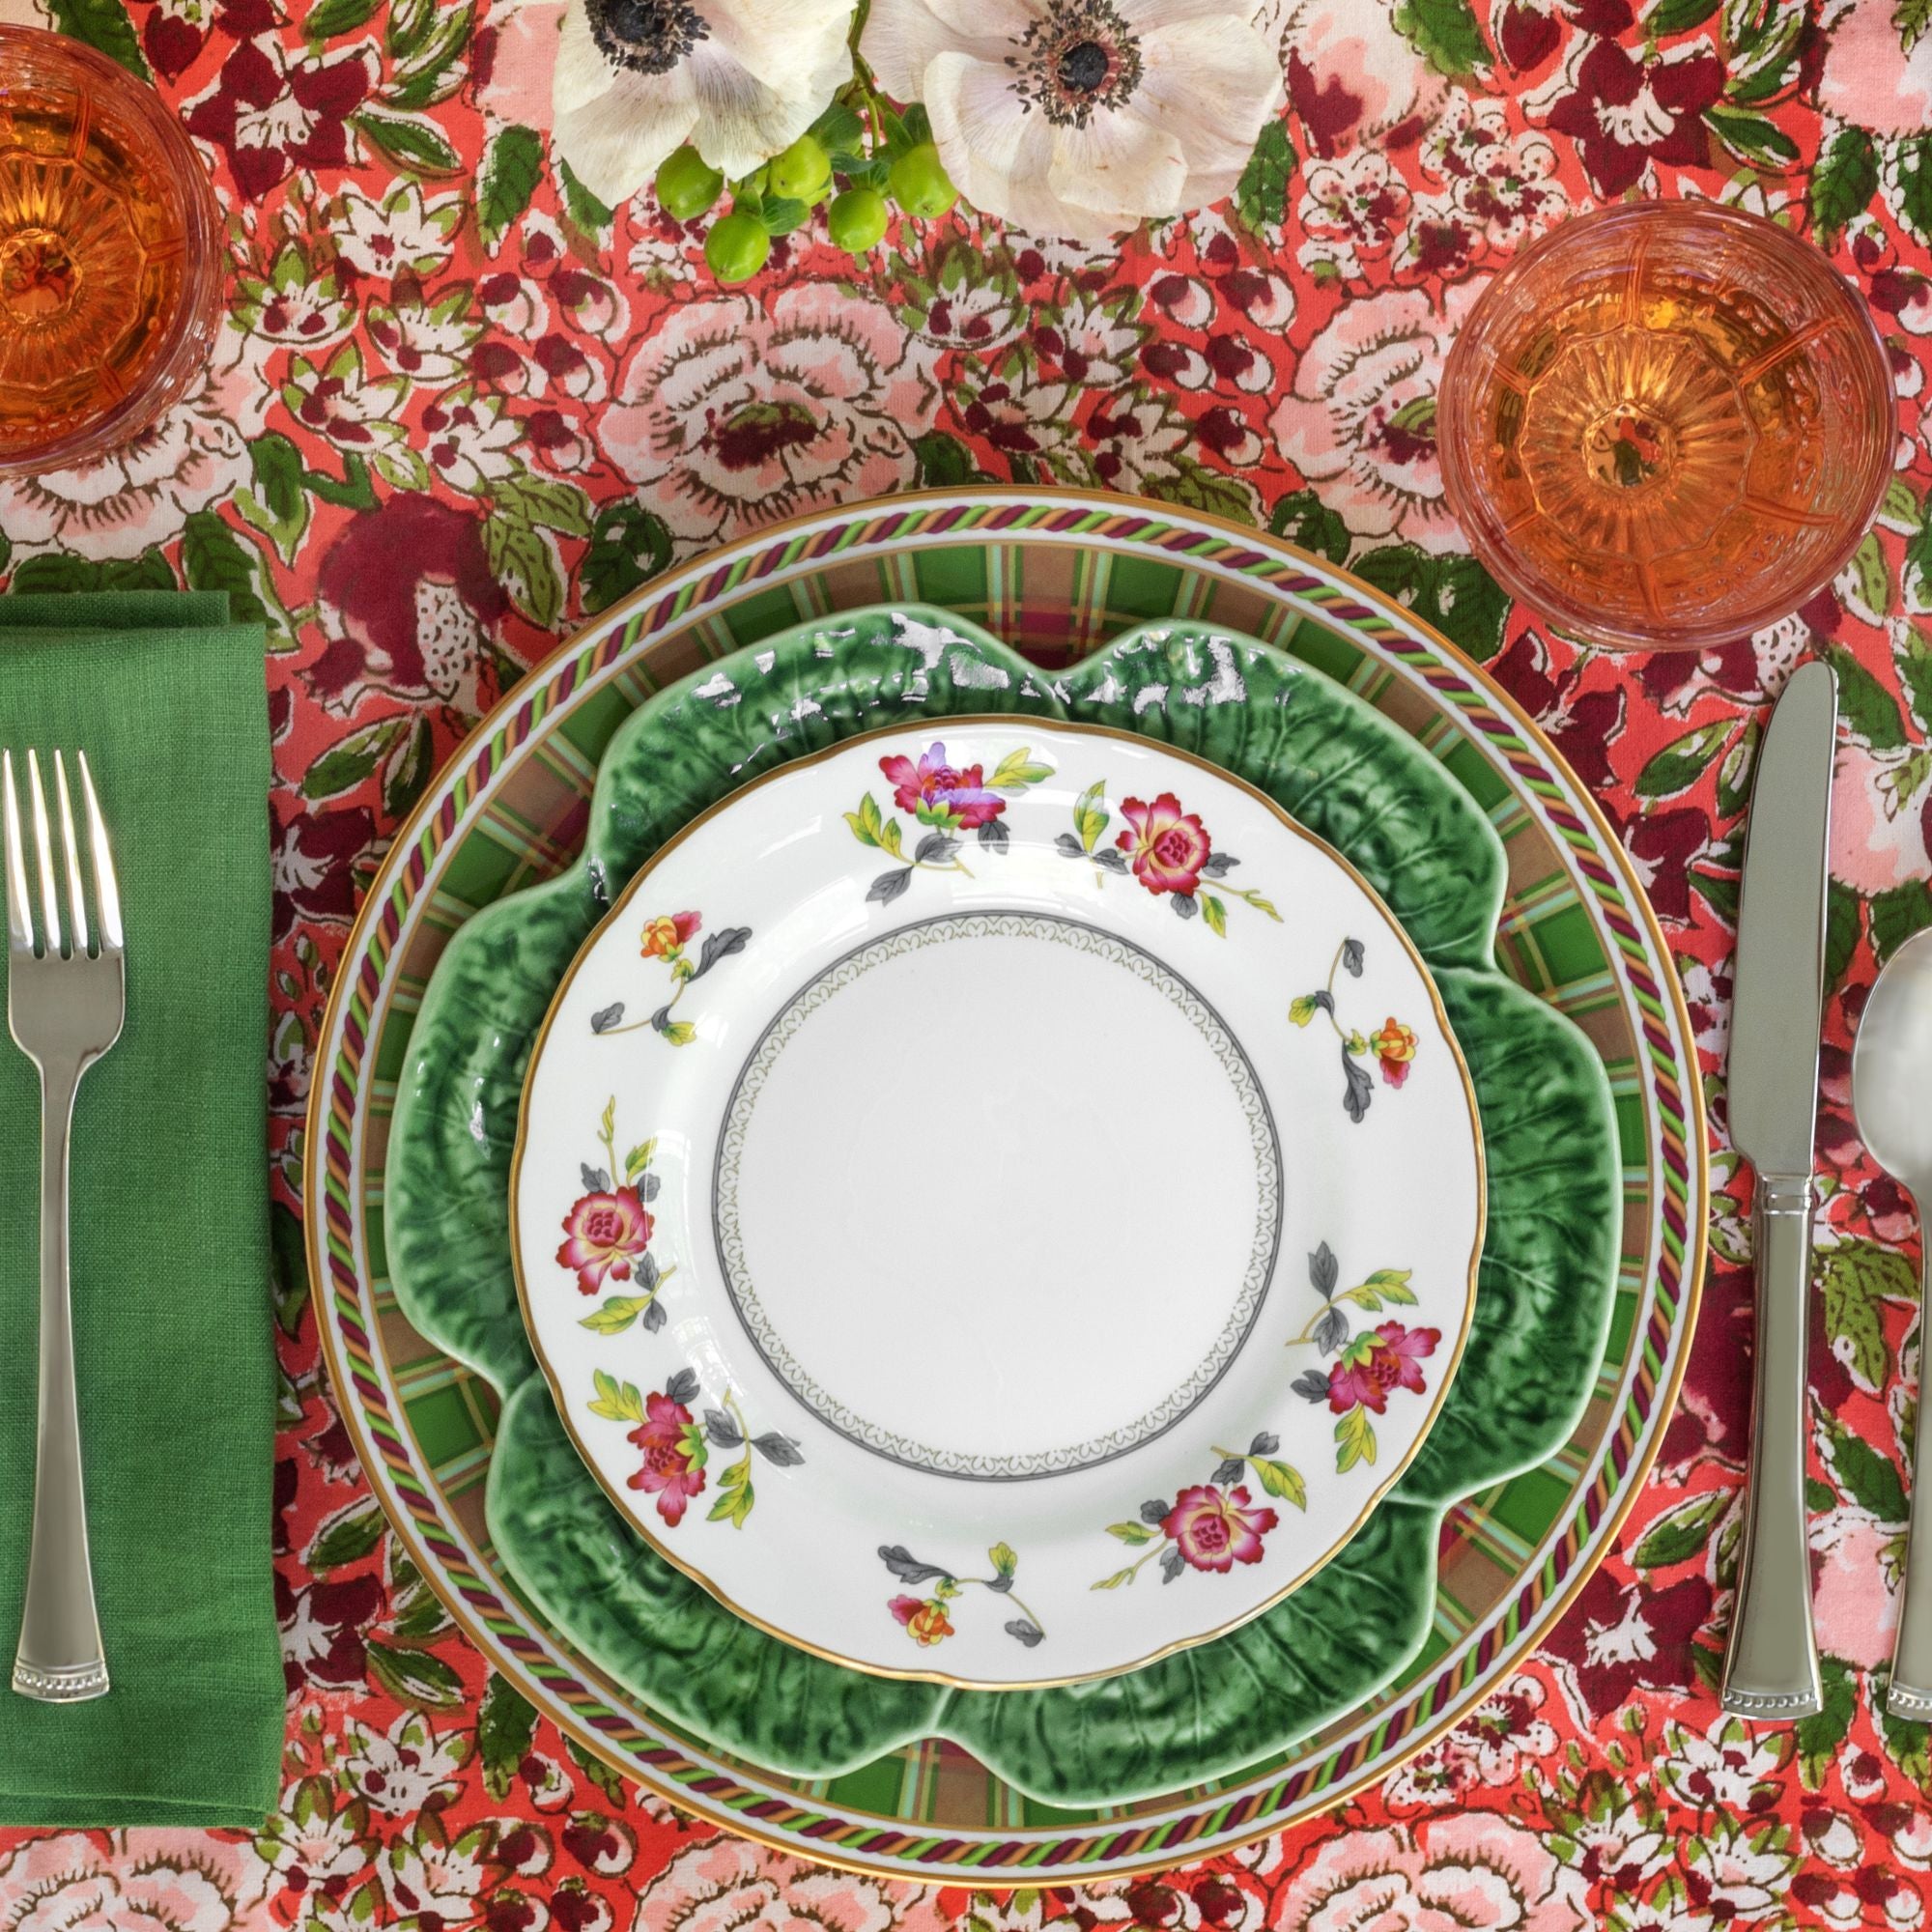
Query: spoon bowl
{"x": 1891, "y": 1099}
{"x": 1892, "y": 1066}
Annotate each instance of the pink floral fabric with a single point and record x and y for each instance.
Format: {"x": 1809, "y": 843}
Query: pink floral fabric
{"x": 458, "y": 408}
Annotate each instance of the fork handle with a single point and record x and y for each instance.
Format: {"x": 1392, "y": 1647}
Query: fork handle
{"x": 60, "y": 1659}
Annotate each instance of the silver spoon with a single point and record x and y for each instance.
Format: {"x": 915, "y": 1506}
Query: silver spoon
{"x": 1892, "y": 1097}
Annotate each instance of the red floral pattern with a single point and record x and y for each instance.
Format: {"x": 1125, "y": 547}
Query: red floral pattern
{"x": 1166, "y": 846}
{"x": 673, "y": 1457}
{"x": 445, "y": 425}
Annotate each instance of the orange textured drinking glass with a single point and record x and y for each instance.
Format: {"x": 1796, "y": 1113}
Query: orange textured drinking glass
{"x": 1667, "y": 424}
{"x": 110, "y": 272}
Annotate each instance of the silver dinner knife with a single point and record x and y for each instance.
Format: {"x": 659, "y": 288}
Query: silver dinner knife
{"x": 1771, "y": 1668}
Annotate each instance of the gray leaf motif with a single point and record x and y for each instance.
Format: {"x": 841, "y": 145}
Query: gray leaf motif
{"x": 1227, "y": 1474}
{"x": 1109, "y": 860}
{"x": 654, "y": 1318}
{"x": 1155, "y": 1511}
{"x": 1000, "y": 1585}
{"x": 1265, "y": 1444}
{"x": 661, "y": 1019}
{"x": 647, "y": 1270}
{"x": 908, "y": 1567}
{"x": 648, "y": 1185}
{"x": 1184, "y": 904}
{"x": 1069, "y": 847}
{"x": 721, "y": 944}
{"x": 682, "y": 1386}
{"x": 1029, "y": 1634}
{"x": 994, "y": 836}
{"x": 888, "y": 886}
{"x": 1360, "y": 1091}
{"x": 595, "y": 1180}
{"x": 1218, "y": 865}
{"x": 1310, "y": 1385}
{"x": 778, "y": 1449}
{"x": 1352, "y": 957}
{"x": 720, "y": 1430}
{"x": 1172, "y": 1563}
{"x": 1324, "y": 1270}
{"x": 933, "y": 846}
{"x": 1332, "y": 1331}
{"x": 606, "y": 1017}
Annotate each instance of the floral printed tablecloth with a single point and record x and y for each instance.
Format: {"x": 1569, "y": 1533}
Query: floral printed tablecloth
{"x": 457, "y": 409}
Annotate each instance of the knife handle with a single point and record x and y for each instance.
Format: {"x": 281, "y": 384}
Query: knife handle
{"x": 1771, "y": 1668}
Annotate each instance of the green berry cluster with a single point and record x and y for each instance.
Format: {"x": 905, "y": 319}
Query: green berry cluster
{"x": 857, "y": 158}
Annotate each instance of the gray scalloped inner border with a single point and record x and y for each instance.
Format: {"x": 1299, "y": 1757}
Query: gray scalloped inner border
{"x": 1263, "y": 1250}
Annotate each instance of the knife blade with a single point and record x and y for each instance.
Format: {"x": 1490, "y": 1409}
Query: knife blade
{"x": 1771, "y": 1666}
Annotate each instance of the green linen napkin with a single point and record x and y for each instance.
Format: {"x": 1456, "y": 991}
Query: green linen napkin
{"x": 170, "y": 1249}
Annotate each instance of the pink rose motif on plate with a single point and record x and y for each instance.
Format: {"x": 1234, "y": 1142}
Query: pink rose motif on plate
{"x": 673, "y": 1457}
{"x": 135, "y": 1881}
{"x": 1213, "y": 1531}
{"x": 730, "y": 415}
{"x": 1374, "y": 1364}
{"x": 1360, "y": 421}
{"x": 1473, "y": 1871}
{"x": 938, "y": 794}
{"x": 732, "y": 1885}
{"x": 1167, "y": 846}
{"x": 605, "y": 1233}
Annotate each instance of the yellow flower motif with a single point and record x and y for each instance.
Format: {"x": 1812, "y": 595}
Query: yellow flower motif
{"x": 664, "y": 937}
{"x": 1395, "y": 1048}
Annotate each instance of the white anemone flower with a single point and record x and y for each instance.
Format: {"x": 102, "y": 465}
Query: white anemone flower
{"x": 1082, "y": 118}
{"x": 739, "y": 79}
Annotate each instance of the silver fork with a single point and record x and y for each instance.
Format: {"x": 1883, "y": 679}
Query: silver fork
{"x": 65, "y": 997}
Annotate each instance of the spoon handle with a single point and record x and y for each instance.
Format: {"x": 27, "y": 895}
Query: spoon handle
{"x": 1911, "y": 1692}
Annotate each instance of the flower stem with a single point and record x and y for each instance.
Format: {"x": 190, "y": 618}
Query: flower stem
{"x": 611, "y": 1033}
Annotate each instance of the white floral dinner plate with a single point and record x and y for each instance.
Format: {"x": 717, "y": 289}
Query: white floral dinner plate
{"x": 998, "y": 1206}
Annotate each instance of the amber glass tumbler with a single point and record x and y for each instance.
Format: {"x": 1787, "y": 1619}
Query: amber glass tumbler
{"x": 1667, "y": 425}
{"x": 110, "y": 264}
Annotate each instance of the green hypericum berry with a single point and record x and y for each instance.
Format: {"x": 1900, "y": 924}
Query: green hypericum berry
{"x": 687, "y": 185}
{"x": 857, "y": 219}
{"x": 736, "y": 247}
{"x": 921, "y": 185}
{"x": 802, "y": 171}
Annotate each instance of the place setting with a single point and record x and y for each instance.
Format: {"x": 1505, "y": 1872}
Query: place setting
{"x": 1003, "y": 1185}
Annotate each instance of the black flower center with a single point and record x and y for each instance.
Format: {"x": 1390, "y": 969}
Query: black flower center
{"x": 1078, "y": 56}
{"x": 645, "y": 36}
{"x": 1083, "y": 66}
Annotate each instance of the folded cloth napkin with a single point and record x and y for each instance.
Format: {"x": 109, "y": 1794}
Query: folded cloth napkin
{"x": 174, "y": 1346}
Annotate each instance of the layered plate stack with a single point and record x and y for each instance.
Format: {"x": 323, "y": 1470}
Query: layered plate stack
{"x": 1006, "y": 1260}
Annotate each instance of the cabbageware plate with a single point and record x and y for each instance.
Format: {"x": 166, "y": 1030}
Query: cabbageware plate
{"x": 1544, "y": 1280}
{"x": 999, "y": 1178}
{"x": 1059, "y": 573}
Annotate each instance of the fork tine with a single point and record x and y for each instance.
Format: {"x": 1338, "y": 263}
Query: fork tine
{"x": 44, "y": 854}
{"x": 77, "y": 896}
{"x": 20, "y": 914}
{"x": 105, "y": 885}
